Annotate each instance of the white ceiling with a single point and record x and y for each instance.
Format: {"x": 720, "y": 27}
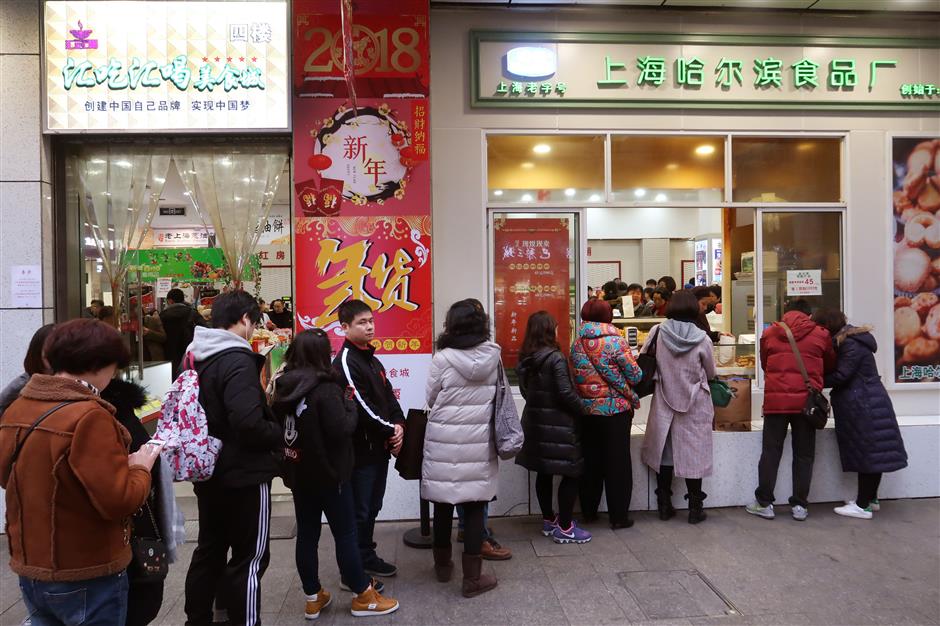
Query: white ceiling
{"x": 815, "y": 5}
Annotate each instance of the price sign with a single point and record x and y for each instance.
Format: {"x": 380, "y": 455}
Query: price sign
{"x": 804, "y": 283}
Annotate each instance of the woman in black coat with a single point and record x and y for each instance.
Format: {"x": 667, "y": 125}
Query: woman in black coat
{"x": 550, "y": 423}
{"x": 867, "y": 430}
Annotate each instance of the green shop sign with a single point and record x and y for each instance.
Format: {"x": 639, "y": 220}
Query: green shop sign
{"x": 621, "y": 70}
{"x": 197, "y": 265}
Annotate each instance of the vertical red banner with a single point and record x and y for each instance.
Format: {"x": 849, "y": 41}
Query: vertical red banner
{"x": 362, "y": 177}
{"x": 531, "y": 273}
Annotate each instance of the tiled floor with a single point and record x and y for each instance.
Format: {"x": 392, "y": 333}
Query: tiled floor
{"x": 733, "y": 569}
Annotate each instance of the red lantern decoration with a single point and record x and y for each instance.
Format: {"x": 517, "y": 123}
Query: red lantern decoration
{"x": 407, "y": 152}
{"x": 319, "y": 161}
{"x": 398, "y": 139}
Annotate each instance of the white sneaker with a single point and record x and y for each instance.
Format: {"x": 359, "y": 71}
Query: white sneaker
{"x": 850, "y": 509}
{"x": 875, "y": 506}
{"x": 754, "y": 508}
{"x": 799, "y": 513}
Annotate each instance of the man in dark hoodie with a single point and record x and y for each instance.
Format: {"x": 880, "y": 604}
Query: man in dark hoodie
{"x": 235, "y": 504}
{"x": 785, "y": 396}
{"x": 179, "y": 321}
{"x": 379, "y": 430}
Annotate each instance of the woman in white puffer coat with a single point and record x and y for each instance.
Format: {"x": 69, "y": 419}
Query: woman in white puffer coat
{"x": 460, "y": 464}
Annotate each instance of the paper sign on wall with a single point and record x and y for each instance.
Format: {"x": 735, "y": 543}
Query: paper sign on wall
{"x": 804, "y": 283}
{"x": 26, "y": 287}
{"x": 164, "y": 285}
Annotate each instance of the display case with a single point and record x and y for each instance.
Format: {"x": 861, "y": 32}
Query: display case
{"x": 736, "y": 364}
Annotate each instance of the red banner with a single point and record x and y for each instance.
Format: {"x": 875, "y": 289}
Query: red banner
{"x": 531, "y": 273}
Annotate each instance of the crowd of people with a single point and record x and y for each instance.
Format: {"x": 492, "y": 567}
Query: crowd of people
{"x": 96, "y": 487}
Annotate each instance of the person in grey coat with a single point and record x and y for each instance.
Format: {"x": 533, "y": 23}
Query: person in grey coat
{"x": 460, "y": 463}
{"x": 34, "y": 363}
{"x": 679, "y": 427}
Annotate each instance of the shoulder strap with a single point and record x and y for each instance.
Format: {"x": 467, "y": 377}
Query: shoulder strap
{"x": 796, "y": 353}
{"x": 29, "y": 431}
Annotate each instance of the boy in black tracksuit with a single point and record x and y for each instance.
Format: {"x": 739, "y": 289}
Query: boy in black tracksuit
{"x": 379, "y": 430}
{"x": 235, "y": 504}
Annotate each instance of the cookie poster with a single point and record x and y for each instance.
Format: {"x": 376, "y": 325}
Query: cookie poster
{"x": 916, "y": 209}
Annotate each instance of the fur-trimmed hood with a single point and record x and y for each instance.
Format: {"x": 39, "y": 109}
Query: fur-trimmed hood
{"x": 47, "y": 388}
{"x": 861, "y": 334}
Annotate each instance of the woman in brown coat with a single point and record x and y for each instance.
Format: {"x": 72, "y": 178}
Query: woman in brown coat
{"x": 679, "y": 427}
{"x": 71, "y": 486}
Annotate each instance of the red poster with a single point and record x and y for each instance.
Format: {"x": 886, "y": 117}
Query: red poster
{"x": 531, "y": 273}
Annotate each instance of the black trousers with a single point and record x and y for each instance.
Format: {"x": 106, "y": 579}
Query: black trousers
{"x": 229, "y": 518}
{"x": 605, "y": 440}
{"x": 567, "y": 493}
{"x": 803, "y": 442}
{"x": 144, "y": 600}
{"x": 867, "y": 488}
{"x": 473, "y": 527}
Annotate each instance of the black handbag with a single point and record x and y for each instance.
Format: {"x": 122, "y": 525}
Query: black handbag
{"x": 647, "y": 363}
{"x": 816, "y": 409}
{"x": 411, "y": 455}
{"x": 149, "y": 561}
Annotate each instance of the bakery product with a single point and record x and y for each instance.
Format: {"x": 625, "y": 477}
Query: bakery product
{"x": 906, "y": 325}
{"x": 911, "y": 267}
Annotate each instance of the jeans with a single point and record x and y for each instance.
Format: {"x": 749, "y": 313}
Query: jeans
{"x": 486, "y": 519}
{"x": 473, "y": 532}
{"x": 337, "y": 504}
{"x": 803, "y": 441}
{"x": 368, "y": 491}
{"x": 97, "y": 601}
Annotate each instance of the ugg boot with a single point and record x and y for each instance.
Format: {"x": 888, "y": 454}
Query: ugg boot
{"x": 443, "y": 563}
{"x": 475, "y": 581}
{"x": 696, "y": 509}
{"x": 664, "y": 493}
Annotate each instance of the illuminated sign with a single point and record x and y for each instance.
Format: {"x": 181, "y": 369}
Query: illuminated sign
{"x": 140, "y": 66}
{"x": 530, "y": 62}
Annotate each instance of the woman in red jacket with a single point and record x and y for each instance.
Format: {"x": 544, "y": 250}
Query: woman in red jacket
{"x": 784, "y": 398}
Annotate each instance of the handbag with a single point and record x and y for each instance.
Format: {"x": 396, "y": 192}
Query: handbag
{"x": 722, "y": 393}
{"x": 411, "y": 455}
{"x": 507, "y": 427}
{"x": 149, "y": 561}
{"x": 647, "y": 363}
{"x": 816, "y": 409}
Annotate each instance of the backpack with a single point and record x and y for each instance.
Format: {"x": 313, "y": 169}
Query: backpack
{"x": 190, "y": 452}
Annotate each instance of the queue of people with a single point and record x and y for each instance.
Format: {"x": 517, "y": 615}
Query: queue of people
{"x": 333, "y": 423}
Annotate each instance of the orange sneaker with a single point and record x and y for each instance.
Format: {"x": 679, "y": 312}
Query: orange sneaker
{"x": 370, "y": 602}
{"x": 316, "y": 603}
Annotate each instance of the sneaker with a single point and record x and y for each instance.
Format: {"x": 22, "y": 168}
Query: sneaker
{"x": 548, "y": 526}
{"x": 850, "y": 509}
{"x": 874, "y": 506}
{"x": 316, "y": 603}
{"x": 570, "y": 535}
{"x": 377, "y": 584}
{"x": 799, "y": 513}
{"x": 754, "y": 508}
{"x": 370, "y": 602}
{"x": 377, "y": 567}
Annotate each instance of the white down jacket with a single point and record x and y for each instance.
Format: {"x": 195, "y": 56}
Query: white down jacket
{"x": 460, "y": 462}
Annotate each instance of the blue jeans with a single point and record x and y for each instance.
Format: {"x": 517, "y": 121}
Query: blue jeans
{"x": 97, "y": 601}
{"x": 486, "y": 520}
{"x": 368, "y": 491}
{"x": 337, "y": 504}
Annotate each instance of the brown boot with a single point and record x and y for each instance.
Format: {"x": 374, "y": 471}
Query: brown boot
{"x": 492, "y": 551}
{"x": 475, "y": 581}
{"x": 443, "y": 564}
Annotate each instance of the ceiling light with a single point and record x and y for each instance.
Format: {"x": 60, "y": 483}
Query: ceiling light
{"x": 528, "y": 165}
{"x": 803, "y": 146}
{"x": 594, "y": 198}
{"x": 123, "y": 163}
{"x": 498, "y": 192}
{"x": 661, "y": 197}
{"x": 246, "y": 180}
{"x": 569, "y": 192}
{"x": 672, "y": 166}
{"x": 639, "y": 193}
{"x": 541, "y": 148}
{"x": 527, "y": 197}
{"x": 705, "y": 149}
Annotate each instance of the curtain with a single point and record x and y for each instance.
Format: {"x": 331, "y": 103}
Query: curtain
{"x": 233, "y": 188}
{"x": 119, "y": 190}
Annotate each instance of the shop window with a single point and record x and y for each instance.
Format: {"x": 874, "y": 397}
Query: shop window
{"x": 778, "y": 169}
{"x": 670, "y": 168}
{"x": 802, "y": 258}
{"x": 535, "y": 268}
{"x": 545, "y": 168}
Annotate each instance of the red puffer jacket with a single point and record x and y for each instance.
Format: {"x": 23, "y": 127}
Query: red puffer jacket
{"x": 784, "y": 390}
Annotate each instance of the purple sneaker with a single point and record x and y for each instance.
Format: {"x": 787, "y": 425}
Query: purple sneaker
{"x": 570, "y": 535}
{"x": 549, "y": 526}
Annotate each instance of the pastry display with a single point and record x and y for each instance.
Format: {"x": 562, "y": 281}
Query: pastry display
{"x": 916, "y": 200}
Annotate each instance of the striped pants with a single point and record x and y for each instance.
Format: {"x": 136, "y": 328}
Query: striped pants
{"x": 237, "y": 519}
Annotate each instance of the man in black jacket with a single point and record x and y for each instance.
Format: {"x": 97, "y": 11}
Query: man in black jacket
{"x": 379, "y": 430}
{"x": 179, "y": 322}
{"x": 235, "y": 504}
